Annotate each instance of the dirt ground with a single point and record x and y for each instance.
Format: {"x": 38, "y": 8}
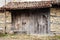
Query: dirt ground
{"x": 27, "y": 37}
{"x": 19, "y": 37}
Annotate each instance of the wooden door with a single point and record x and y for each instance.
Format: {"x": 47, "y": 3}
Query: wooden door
{"x": 31, "y": 22}
{"x": 23, "y": 22}
{"x": 42, "y": 24}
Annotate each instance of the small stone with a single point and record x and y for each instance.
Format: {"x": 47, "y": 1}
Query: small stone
{"x": 11, "y": 32}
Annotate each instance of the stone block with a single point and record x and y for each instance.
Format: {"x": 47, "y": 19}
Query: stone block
{"x": 2, "y": 17}
{"x": 55, "y": 11}
{"x": 55, "y": 20}
{"x": 52, "y": 11}
{"x": 2, "y": 28}
{"x": 11, "y": 32}
{"x": 55, "y": 27}
{"x": 8, "y": 13}
{"x": 2, "y": 14}
{"x": 58, "y": 14}
{"x": 8, "y": 28}
{"x": 8, "y": 17}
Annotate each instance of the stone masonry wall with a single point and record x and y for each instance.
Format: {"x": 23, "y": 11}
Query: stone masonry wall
{"x": 2, "y": 22}
{"x": 55, "y": 19}
{"x": 5, "y": 21}
{"x": 8, "y": 22}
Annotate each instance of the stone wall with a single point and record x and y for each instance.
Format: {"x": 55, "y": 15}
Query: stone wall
{"x": 8, "y": 21}
{"x": 5, "y": 21}
{"x": 55, "y": 19}
{"x": 2, "y": 22}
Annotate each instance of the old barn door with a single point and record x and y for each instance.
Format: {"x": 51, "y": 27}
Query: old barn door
{"x": 41, "y": 23}
{"x": 23, "y": 22}
{"x": 31, "y": 22}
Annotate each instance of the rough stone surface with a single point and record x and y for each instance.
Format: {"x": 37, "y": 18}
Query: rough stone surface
{"x": 2, "y": 22}
{"x": 55, "y": 19}
{"x": 5, "y": 21}
{"x": 8, "y": 17}
{"x": 8, "y": 22}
